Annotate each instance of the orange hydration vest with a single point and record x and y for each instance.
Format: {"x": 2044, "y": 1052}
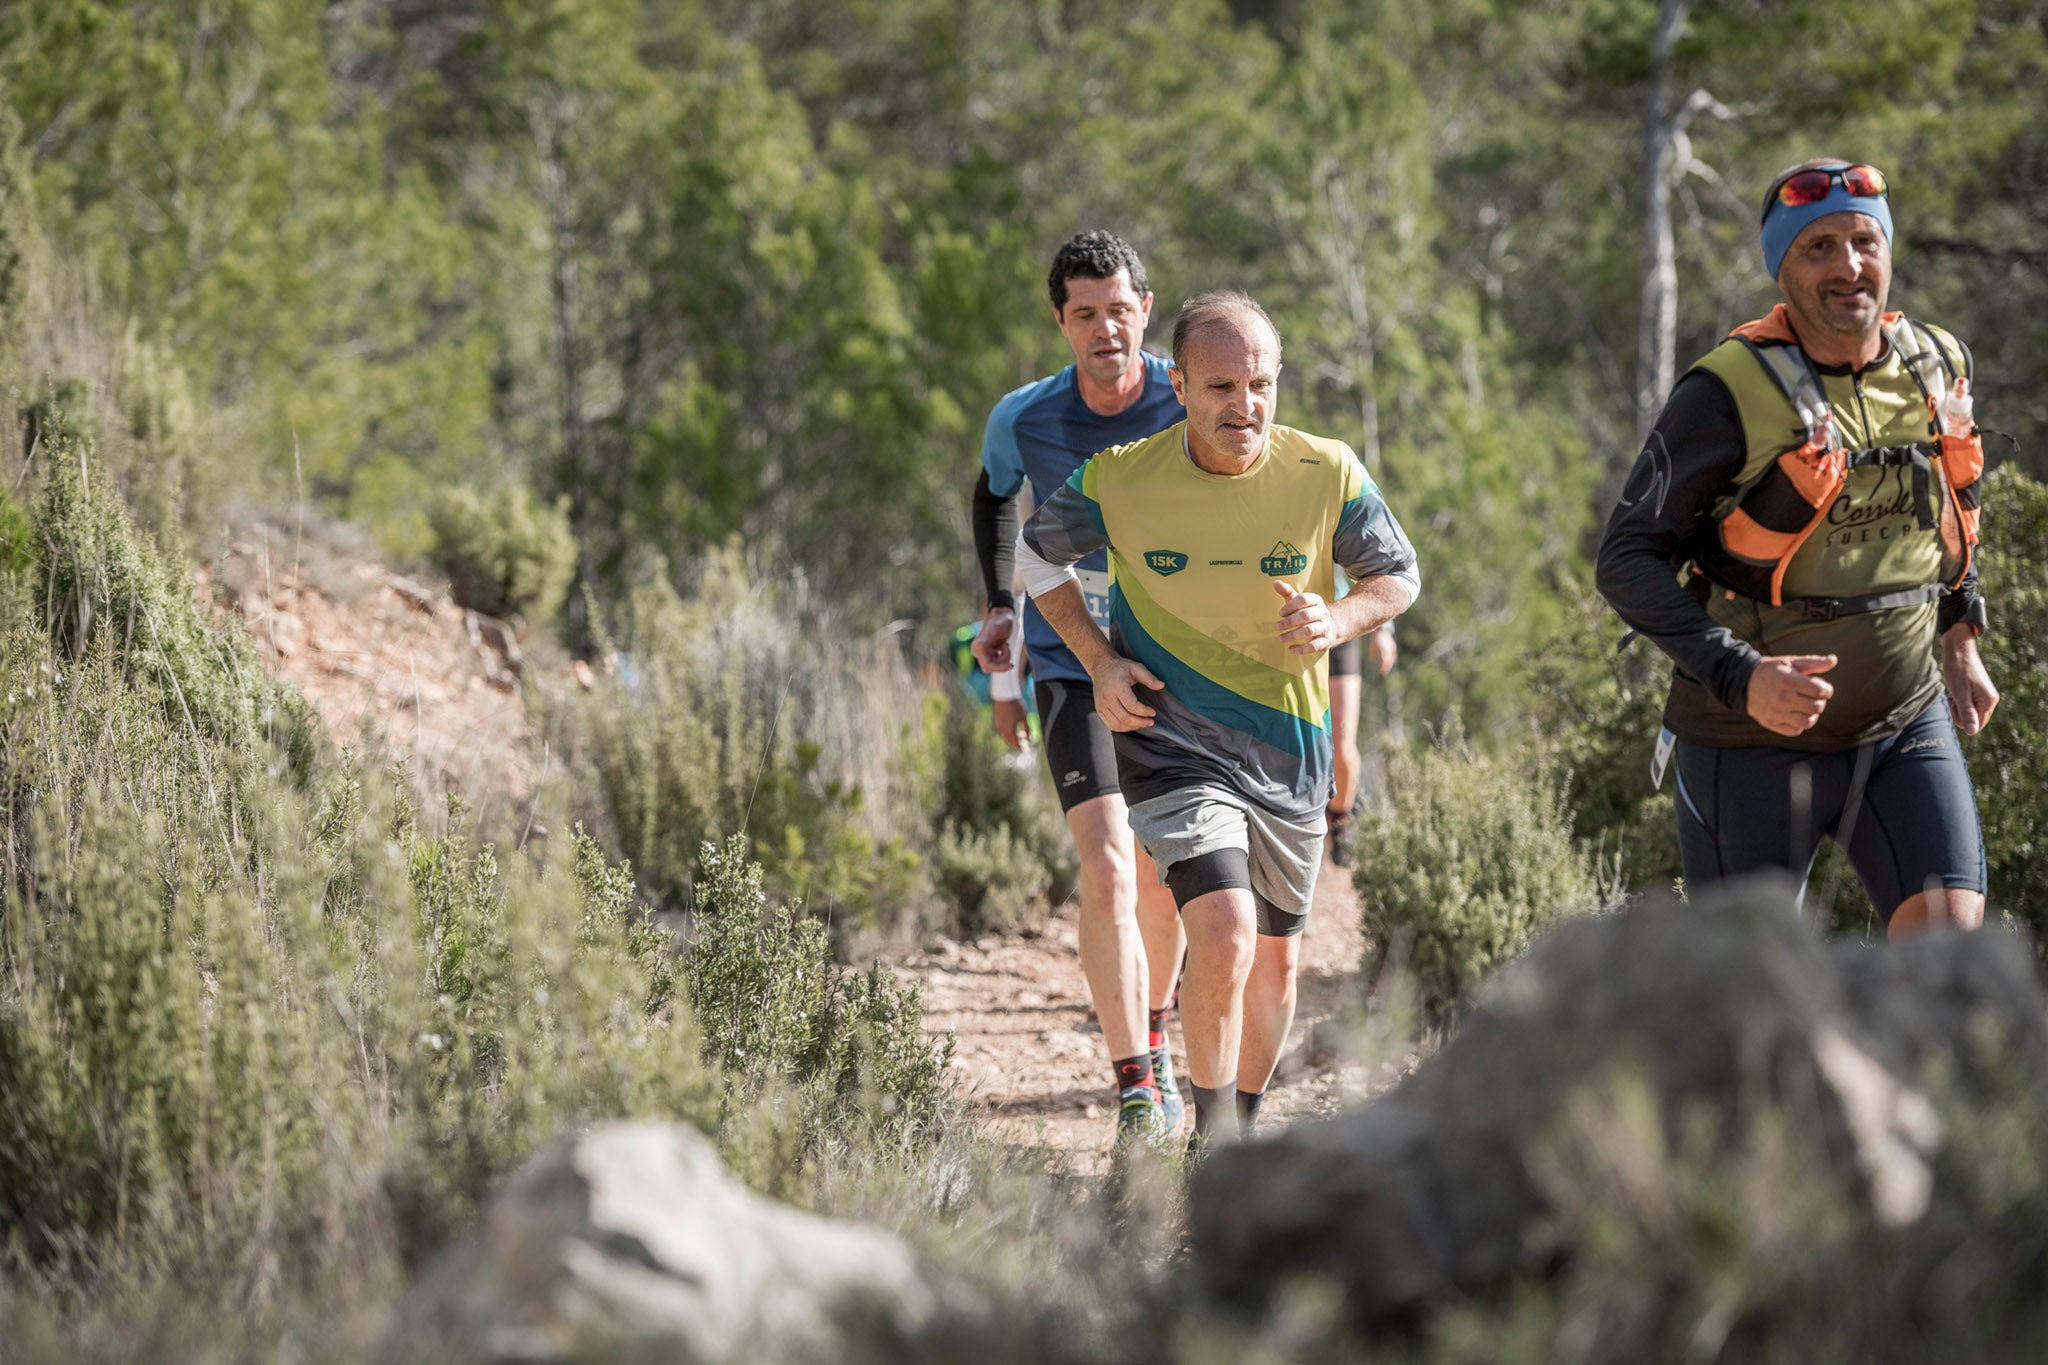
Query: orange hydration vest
{"x": 1774, "y": 512}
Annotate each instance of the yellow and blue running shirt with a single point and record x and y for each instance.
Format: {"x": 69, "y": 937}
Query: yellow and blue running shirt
{"x": 1193, "y": 556}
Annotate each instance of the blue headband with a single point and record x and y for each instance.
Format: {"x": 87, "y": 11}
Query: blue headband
{"x": 1782, "y": 223}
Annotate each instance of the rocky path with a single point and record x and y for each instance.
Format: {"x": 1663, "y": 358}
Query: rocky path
{"x": 1029, "y": 1053}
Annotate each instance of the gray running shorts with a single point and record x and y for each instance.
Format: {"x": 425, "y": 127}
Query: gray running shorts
{"x": 1282, "y": 857}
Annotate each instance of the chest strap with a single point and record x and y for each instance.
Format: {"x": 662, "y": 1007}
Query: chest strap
{"x": 1828, "y": 608}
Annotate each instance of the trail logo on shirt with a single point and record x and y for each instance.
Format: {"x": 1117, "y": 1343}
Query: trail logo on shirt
{"x": 1283, "y": 559}
{"x": 1165, "y": 562}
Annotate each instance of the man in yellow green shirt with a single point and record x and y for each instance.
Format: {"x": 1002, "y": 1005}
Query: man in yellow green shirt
{"x": 1224, "y": 533}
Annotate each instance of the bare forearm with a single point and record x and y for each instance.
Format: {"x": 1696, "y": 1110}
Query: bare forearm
{"x": 1371, "y": 603}
{"x": 1066, "y": 611}
{"x": 1972, "y": 696}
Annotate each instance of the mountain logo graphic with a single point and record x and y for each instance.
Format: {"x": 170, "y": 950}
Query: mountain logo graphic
{"x": 1283, "y": 559}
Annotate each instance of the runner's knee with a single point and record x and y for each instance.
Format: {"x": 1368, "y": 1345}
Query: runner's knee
{"x": 1221, "y": 929}
{"x": 1942, "y": 907}
{"x": 1110, "y": 869}
{"x": 1274, "y": 963}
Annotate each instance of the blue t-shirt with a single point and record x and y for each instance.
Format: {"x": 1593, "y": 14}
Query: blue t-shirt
{"x": 1042, "y": 433}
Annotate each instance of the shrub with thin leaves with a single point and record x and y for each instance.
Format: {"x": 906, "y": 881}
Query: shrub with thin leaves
{"x": 992, "y": 878}
{"x": 737, "y": 711}
{"x": 506, "y": 553}
{"x": 1466, "y": 858}
{"x": 17, "y": 537}
{"x": 103, "y": 585}
{"x": 889, "y": 808}
{"x": 259, "y": 1026}
{"x": 2009, "y": 759}
{"x": 1003, "y": 850}
{"x": 1597, "y": 713}
{"x": 777, "y": 1011}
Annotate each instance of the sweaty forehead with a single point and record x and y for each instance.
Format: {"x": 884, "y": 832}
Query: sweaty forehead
{"x": 1235, "y": 340}
{"x": 1848, "y": 223}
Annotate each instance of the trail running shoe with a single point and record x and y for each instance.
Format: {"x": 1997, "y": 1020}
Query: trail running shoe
{"x": 1342, "y": 839}
{"x": 1139, "y": 1117}
{"x": 1171, "y": 1106}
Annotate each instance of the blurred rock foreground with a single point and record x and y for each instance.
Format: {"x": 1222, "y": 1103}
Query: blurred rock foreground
{"x": 633, "y": 1235}
{"x": 1621, "y": 1059}
{"x": 1621, "y": 1050}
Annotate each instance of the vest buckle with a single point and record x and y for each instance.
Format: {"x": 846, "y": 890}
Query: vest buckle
{"x": 1822, "y": 608}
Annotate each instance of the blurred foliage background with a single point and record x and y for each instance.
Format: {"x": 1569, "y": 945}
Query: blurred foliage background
{"x": 707, "y": 271}
{"x": 670, "y": 326}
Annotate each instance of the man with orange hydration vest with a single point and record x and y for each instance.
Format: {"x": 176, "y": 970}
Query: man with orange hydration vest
{"x": 1798, "y": 535}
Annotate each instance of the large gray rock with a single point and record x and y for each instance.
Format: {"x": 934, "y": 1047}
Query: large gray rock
{"x": 1722, "y": 1012}
{"x": 634, "y": 1233}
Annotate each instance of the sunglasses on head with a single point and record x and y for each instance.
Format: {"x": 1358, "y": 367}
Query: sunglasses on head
{"x": 1810, "y": 187}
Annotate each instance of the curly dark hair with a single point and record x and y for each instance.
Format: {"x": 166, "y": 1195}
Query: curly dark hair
{"x": 1096, "y": 255}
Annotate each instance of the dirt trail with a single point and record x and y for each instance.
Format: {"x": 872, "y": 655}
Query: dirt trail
{"x": 1029, "y": 1052}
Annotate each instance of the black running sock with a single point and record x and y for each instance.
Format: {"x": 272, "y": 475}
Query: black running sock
{"x": 1134, "y": 1071}
{"x": 1248, "y": 1102}
{"x": 1215, "y": 1110}
{"x": 1155, "y": 1029}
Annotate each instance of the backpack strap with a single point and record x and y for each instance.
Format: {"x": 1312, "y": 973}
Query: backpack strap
{"x": 1926, "y": 360}
{"x": 1790, "y": 370}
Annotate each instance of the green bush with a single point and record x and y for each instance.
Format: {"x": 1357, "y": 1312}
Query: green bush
{"x": 1596, "y": 713}
{"x": 2009, "y": 759}
{"x": 1003, "y": 849}
{"x": 1465, "y": 859}
{"x": 506, "y": 553}
{"x": 17, "y": 537}
{"x": 777, "y": 1012}
{"x": 103, "y": 585}
{"x": 991, "y": 878}
{"x": 888, "y": 807}
{"x": 736, "y": 711}
{"x": 255, "y": 1021}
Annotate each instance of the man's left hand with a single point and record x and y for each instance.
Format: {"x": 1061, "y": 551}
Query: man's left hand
{"x": 1013, "y": 725}
{"x": 1379, "y": 644}
{"x": 1972, "y": 696}
{"x": 1305, "y": 622}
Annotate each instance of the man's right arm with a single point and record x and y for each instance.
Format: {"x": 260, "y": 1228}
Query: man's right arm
{"x": 994, "y": 518}
{"x": 995, "y": 539}
{"x": 1692, "y": 457}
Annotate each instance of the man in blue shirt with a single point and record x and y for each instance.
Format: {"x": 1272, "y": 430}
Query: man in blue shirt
{"x": 1113, "y": 393}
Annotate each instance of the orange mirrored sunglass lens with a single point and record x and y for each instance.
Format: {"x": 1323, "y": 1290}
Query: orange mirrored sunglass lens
{"x": 1810, "y": 187}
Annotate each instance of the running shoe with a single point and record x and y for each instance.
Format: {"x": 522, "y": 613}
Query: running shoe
{"x": 1139, "y": 1118}
{"x": 1170, "y": 1104}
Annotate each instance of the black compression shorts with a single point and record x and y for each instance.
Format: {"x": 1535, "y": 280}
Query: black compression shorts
{"x": 1901, "y": 806}
{"x": 1348, "y": 659}
{"x": 1230, "y": 869}
{"x": 1079, "y": 748}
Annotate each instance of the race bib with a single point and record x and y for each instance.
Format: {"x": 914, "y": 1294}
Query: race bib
{"x": 1095, "y": 591}
{"x": 1661, "y": 757}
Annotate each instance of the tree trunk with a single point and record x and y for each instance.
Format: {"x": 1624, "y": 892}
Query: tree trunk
{"x": 562, "y": 283}
{"x": 1657, "y": 328}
